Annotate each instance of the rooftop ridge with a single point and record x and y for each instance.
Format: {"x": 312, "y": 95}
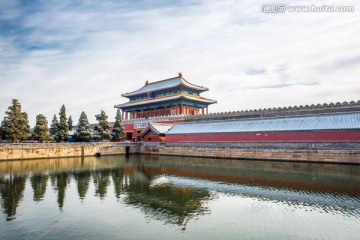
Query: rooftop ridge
{"x": 147, "y": 83}
{"x": 180, "y": 75}
{"x": 181, "y": 82}
{"x": 163, "y": 80}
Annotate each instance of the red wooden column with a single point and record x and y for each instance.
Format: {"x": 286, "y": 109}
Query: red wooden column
{"x": 202, "y": 111}
{"x": 181, "y": 108}
{"x": 207, "y": 110}
{"x": 122, "y": 115}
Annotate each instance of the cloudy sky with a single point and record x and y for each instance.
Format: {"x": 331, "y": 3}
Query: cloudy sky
{"x": 86, "y": 53}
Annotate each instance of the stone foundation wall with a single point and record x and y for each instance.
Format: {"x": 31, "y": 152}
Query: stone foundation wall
{"x": 328, "y": 156}
{"x": 32, "y": 151}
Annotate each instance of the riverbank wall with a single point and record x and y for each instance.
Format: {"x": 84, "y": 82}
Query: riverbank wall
{"x": 304, "y": 155}
{"x": 38, "y": 151}
{"x": 57, "y": 150}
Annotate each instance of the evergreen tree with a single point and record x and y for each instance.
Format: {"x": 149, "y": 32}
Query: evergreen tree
{"x": 118, "y": 129}
{"x": 63, "y": 134}
{"x": 54, "y": 128}
{"x": 26, "y": 118}
{"x": 41, "y": 131}
{"x": 102, "y": 128}
{"x": 83, "y": 130}
{"x": 15, "y": 125}
{"x": 5, "y": 124}
{"x": 70, "y": 123}
{"x": 1, "y": 131}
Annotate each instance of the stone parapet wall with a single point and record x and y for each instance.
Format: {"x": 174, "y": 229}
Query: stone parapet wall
{"x": 33, "y": 151}
{"x": 326, "y": 156}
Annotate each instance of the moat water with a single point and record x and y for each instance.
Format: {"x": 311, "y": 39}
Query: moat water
{"x": 161, "y": 197}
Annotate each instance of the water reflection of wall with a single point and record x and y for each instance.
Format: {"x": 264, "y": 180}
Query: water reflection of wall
{"x": 295, "y": 175}
{"x": 140, "y": 181}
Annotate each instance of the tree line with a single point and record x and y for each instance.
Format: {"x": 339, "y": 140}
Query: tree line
{"x": 15, "y": 126}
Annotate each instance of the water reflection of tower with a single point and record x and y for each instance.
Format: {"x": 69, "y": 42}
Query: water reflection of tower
{"x": 161, "y": 200}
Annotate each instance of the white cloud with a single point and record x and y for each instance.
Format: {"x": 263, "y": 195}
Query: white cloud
{"x": 86, "y": 56}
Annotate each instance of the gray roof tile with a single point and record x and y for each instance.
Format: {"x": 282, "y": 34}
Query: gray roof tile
{"x": 303, "y": 123}
{"x": 164, "y": 84}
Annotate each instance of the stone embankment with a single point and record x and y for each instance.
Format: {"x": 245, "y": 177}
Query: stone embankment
{"x": 53, "y": 150}
{"x": 304, "y": 155}
{"x": 35, "y": 151}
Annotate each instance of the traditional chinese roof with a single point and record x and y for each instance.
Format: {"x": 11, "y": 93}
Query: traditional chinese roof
{"x": 166, "y": 98}
{"x": 159, "y": 128}
{"x": 165, "y": 84}
{"x": 303, "y": 123}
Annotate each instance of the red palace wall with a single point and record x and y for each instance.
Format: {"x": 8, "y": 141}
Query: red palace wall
{"x": 129, "y": 127}
{"x": 270, "y": 136}
{"x": 152, "y": 138}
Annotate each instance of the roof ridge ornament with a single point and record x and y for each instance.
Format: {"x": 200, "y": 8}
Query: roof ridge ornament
{"x": 180, "y": 75}
{"x": 147, "y": 82}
